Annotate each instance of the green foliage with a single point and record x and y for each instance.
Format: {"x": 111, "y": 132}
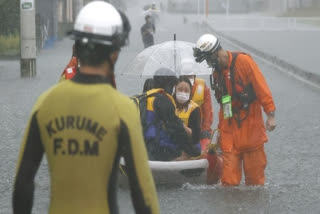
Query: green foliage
{"x": 10, "y": 45}
{"x": 303, "y": 12}
{"x": 9, "y": 27}
{"x": 9, "y": 17}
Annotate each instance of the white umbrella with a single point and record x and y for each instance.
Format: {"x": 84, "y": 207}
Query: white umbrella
{"x": 169, "y": 55}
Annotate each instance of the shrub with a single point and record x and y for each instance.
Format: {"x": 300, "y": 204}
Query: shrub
{"x": 9, "y": 16}
{"x": 10, "y": 45}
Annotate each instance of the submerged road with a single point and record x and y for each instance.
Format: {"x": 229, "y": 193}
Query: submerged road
{"x": 292, "y": 174}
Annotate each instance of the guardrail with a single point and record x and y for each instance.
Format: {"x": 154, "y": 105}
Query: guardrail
{"x": 299, "y": 73}
{"x": 238, "y": 23}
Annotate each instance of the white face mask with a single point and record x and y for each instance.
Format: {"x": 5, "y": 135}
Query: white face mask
{"x": 182, "y": 97}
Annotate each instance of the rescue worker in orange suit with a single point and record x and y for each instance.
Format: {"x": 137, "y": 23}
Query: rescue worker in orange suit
{"x": 71, "y": 68}
{"x": 241, "y": 91}
{"x": 202, "y": 96}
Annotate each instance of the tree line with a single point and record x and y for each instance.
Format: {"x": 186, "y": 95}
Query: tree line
{"x": 9, "y": 17}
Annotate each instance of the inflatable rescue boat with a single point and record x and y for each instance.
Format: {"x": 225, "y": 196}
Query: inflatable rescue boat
{"x": 207, "y": 170}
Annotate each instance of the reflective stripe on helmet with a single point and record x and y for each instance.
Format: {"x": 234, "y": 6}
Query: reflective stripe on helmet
{"x": 208, "y": 43}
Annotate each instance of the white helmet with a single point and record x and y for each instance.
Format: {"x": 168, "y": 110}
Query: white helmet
{"x": 206, "y": 44}
{"x": 100, "y": 22}
{"x": 188, "y": 66}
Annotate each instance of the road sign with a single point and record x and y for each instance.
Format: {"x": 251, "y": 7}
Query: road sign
{"x": 27, "y": 5}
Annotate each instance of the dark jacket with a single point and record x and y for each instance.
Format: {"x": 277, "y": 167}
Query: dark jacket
{"x": 195, "y": 124}
{"x": 147, "y": 36}
{"x": 170, "y": 138}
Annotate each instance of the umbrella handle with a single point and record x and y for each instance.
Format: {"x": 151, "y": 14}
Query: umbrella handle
{"x": 175, "y": 60}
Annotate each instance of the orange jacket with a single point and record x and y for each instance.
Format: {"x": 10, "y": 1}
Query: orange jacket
{"x": 71, "y": 65}
{"x": 205, "y": 107}
{"x": 252, "y": 132}
{"x": 73, "y": 62}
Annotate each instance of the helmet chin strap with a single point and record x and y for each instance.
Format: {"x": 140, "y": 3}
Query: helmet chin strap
{"x": 215, "y": 64}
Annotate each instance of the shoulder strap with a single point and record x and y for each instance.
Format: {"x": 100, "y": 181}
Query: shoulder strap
{"x": 155, "y": 90}
{"x": 234, "y": 92}
{"x": 200, "y": 81}
{"x": 234, "y": 57}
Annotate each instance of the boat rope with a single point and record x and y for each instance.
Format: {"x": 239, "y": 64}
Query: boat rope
{"x": 211, "y": 147}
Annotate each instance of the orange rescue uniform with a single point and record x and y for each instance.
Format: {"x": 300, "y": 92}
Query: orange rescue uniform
{"x": 70, "y": 69}
{"x": 202, "y": 96}
{"x": 245, "y": 144}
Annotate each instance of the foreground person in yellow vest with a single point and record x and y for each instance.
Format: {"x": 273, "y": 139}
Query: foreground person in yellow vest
{"x": 189, "y": 113}
{"x": 84, "y": 126}
{"x": 202, "y": 96}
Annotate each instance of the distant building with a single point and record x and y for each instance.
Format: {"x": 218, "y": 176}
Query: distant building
{"x": 54, "y": 18}
{"x": 290, "y": 5}
{"x": 218, "y": 6}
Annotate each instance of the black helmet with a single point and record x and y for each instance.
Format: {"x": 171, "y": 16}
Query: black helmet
{"x": 165, "y": 78}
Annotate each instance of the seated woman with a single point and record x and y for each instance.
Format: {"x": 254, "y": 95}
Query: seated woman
{"x": 189, "y": 113}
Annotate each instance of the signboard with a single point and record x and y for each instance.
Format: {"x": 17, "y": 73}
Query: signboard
{"x": 27, "y": 5}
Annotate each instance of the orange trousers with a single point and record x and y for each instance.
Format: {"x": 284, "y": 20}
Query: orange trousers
{"x": 253, "y": 162}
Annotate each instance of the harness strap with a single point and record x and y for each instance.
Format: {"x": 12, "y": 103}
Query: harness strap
{"x": 218, "y": 83}
{"x": 236, "y": 111}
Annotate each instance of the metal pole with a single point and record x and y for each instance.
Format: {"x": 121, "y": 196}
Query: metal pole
{"x": 174, "y": 53}
{"x": 54, "y": 20}
{"x": 78, "y": 5}
{"x": 27, "y": 38}
{"x": 198, "y": 11}
{"x": 227, "y": 7}
{"x": 204, "y": 9}
{"x": 207, "y": 9}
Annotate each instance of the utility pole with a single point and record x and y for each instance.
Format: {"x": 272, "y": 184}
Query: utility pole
{"x": 227, "y": 7}
{"x": 78, "y": 5}
{"x": 207, "y": 8}
{"x": 285, "y": 6}
{"x": 27, "y": 38}
{"x": 198, "y": 11}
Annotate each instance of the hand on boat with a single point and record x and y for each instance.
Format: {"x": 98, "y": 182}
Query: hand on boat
{"x": 184, "y": 156}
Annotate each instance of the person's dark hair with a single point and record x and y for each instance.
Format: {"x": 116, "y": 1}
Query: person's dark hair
{"x": 148, "y": 85}
{"x": 184, "y": 78}
{"x": 165, "y": 78}
{"x": 147, "y": 17}
{"x": 92, "y": 54}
